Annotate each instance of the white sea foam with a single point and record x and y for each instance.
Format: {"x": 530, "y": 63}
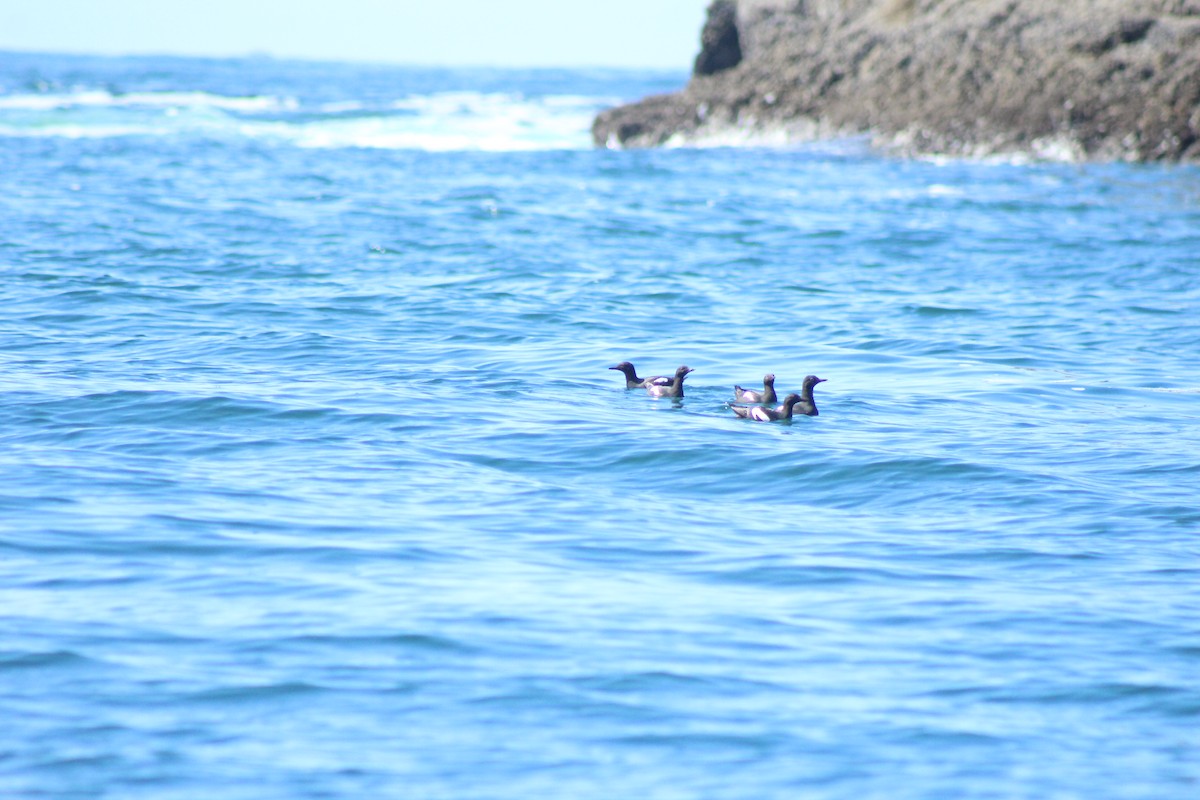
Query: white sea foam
{"x": 807, "y": 134}
{"x": 105, "y": 99}
{"x": 451, "y": 121}
{"x": 72, "y": 131}
{"x": 446, "y": 121}
{"x": 827, "y": 138}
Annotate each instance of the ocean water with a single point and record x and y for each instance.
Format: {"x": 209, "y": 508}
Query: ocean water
{"x": 314, "y": 480}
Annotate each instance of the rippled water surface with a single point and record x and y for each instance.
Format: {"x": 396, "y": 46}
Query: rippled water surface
{"x": 314, "y": 481}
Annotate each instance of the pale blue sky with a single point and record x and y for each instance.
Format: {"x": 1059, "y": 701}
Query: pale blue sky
{"x": 635, "y": 33}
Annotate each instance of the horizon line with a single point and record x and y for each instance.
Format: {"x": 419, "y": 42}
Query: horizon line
{"x": 264, "y": 55}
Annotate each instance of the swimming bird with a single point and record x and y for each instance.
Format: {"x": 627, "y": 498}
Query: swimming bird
{"x": 674, "y": 388}
{"x": 767, "y": 414}
{"x": 632, "y": 381}
{"x": 807, "y": 405}
{"x": 767, "y": 395}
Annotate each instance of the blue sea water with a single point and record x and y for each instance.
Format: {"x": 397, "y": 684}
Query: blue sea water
{"x": 314, "y": 481}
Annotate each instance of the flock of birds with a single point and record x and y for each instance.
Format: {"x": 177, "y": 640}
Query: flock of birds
{"x": 752, "y": 404}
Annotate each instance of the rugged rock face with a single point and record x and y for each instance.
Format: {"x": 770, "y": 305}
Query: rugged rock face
{"x": 1095, "y": 79}
{"x": 720, "y": 47}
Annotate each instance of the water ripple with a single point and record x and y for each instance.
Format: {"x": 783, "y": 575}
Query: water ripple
{"x": 316, "y": 481}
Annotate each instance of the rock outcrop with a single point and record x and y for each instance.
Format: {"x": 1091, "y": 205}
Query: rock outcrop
{"x": 1088, "y": 79}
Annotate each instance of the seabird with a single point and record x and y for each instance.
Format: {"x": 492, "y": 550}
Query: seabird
{"x": 807, "y": 405}
{"x": 674, "y": 388}
{"x": 767, "y": 414}
{"x": 632, "y": 381}
{"x": 767, "y": 395}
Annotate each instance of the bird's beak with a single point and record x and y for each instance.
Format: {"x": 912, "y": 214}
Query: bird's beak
{"x": 822, "y": 380}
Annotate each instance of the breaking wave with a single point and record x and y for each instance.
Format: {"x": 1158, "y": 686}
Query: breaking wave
{"x": 444, "y": 121}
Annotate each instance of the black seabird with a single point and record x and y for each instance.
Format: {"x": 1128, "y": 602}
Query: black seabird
{"x": 766, "y": 414}
{"x": 632, "y": 381}
{"x": 767, "y": 395}
{"x": 807, "y": 405}
{"x": 674, "y": 388}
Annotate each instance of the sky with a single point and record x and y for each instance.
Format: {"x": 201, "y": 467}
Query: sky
{"x": 503, "y": 33}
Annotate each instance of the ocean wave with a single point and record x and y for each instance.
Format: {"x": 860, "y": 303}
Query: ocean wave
{"x": 99, "y": 98}
{"x": 436, "y": 122}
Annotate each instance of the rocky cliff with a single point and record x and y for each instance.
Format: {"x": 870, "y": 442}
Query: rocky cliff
{"x": 1091, "y": 79}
